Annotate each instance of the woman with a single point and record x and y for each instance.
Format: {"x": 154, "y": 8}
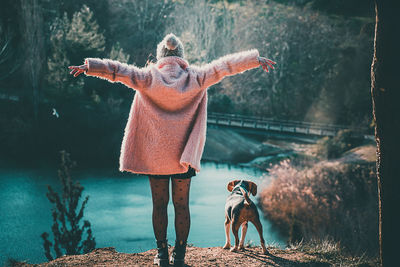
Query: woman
{"x": 166, "y": 130}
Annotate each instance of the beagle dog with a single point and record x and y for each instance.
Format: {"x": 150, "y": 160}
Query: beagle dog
{"x": 239, "y": 209}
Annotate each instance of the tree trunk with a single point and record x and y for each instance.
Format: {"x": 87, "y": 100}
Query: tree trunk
{"x": 385, "y": 81}
{"x": 34, "y": 46}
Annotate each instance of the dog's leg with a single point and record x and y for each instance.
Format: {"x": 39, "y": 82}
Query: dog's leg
{"x": 227, "y": 234}
{"x": 258, "y": 225}
{"x": 235, "y": 230}
{"x": 242, "y": 237}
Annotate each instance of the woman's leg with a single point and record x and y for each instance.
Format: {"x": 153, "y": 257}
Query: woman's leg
{"x": 160, "y": 196}
{"x": 180, "y": 198}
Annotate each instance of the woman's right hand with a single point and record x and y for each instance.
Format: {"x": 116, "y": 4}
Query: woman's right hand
{"x": 76, "y": 70}
{"x": 265, "y": 63}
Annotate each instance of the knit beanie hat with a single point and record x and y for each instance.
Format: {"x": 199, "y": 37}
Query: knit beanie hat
{"x": 170, "y": 46}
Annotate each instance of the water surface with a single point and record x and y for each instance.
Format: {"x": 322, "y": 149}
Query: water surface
{"x": 119, "y": 210}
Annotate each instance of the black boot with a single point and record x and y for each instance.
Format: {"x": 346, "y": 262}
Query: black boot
{"x": 161, "y": 259}
{"x": 178, "y": 254}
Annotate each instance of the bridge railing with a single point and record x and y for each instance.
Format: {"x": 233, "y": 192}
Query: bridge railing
{"x": 270, "y": 124}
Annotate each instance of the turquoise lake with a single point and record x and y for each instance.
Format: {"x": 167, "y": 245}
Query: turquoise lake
{"x": 119, "y": 209}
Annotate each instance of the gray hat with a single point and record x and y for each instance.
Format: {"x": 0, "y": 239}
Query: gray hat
{"x": 170, "y": 46}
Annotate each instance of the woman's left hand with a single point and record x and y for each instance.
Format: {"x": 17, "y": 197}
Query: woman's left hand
{"x": 265, "y": 63}
{"x": 76, "y": 70}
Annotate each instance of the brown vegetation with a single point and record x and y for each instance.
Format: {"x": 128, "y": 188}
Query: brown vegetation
{"x": 325, "y": 200}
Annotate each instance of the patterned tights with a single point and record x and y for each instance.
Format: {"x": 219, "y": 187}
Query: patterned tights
{"x": 180, "y": 199}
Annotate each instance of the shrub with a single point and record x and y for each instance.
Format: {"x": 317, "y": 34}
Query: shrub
{"x": 67, "y": 229}
{"x": 333, "y": 147}
{"x": 220, "y": 103}
{"x": 324, "y": 201}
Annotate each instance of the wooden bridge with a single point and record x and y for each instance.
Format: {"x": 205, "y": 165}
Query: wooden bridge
{"x": 271, "y": 126}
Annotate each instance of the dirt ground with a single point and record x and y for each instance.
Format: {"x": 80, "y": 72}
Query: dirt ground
{"x": 215, "y": 256}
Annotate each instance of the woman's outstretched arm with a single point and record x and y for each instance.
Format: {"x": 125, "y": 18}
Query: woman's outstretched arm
{"x": 114, "y": 71}
{"x": 232, "y": 64}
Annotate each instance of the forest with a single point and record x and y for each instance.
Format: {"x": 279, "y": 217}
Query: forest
{"x": 323, "y": 51}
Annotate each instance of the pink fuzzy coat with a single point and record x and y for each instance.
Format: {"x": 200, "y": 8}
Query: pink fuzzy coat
{"x": 166, "y": 129}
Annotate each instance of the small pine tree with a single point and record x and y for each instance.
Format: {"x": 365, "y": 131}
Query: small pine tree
{"x": 67, "y": 229}
{"x": 117, "y": 53}
{"x": 84, "y": 32}
{"x": 70, "y": 41}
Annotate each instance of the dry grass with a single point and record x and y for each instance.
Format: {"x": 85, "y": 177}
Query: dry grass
{"x": 329, "y": 251}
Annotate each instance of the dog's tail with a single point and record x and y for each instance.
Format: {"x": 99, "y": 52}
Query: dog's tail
{"x": 246, "y": 197}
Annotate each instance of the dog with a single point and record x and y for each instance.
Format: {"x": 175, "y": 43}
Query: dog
{"x": 239, "y": 210}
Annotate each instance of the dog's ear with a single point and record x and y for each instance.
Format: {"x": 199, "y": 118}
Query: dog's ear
{"x": 232, "y": 184}
{"x": 252, "y": 188}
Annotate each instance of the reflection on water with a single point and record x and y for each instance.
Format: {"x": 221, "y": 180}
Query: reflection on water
{"x": 119, "y": 209}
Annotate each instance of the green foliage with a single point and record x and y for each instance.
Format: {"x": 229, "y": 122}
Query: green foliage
{"x": 139, "y": 26}
{"x": 306, "y": 79}
{"x": 340, "y": 7}
{"x": 220, "y": 103}
{"x": 70, "y": 41}
{"x": 302, "y": 42}
{"x": 117, "y": 53}
{"x": 84, "y": 33}
{"x": 333, "y": 147}
{"x": 336, "y": 201}
{"x": 67, "y": 228}
{"x": 206, "y": 29}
